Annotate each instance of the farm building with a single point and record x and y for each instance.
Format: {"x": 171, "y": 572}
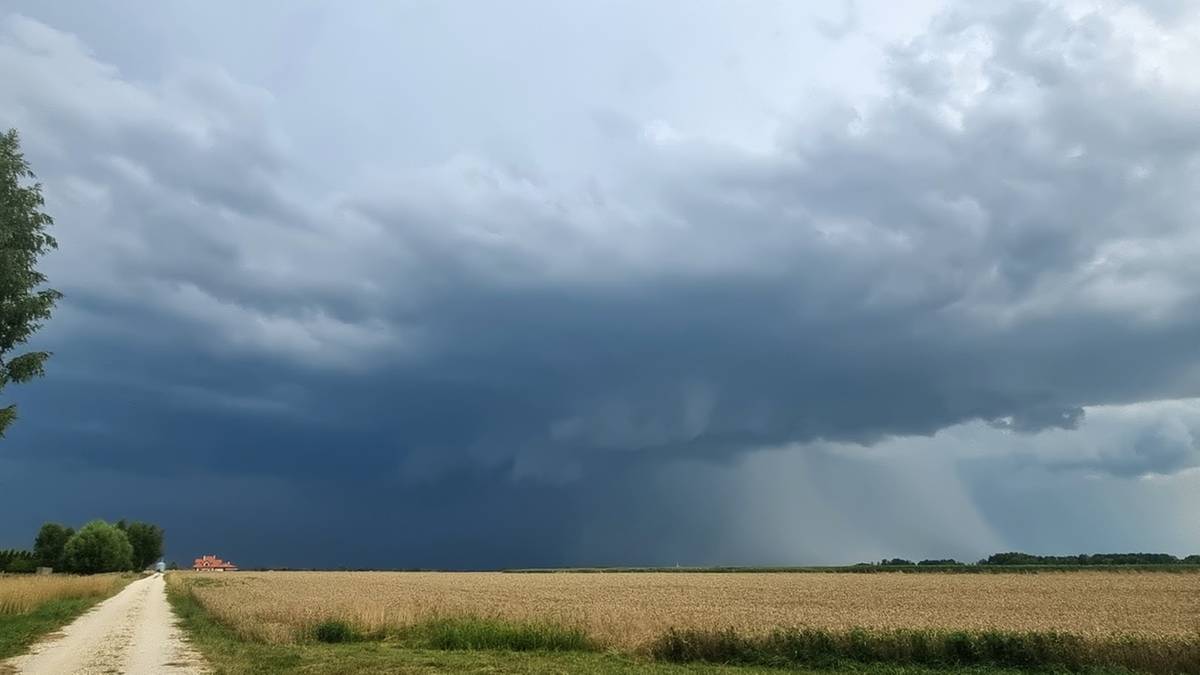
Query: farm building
{"x": 211, "y": 563}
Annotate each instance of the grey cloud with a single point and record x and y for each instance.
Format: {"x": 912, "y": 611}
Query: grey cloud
{"x": 1125, "y": 441}
{"x": 1167, "y": 11}
{"x": 938, "y": 259}
{"x": 1035, "y": 419}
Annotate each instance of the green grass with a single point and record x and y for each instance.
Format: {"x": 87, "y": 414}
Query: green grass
{"x": 938, "y": 649}
{"x": 18, "y": 631}
{"x": 476, "y": 645}
{"x": 491, "y": 634}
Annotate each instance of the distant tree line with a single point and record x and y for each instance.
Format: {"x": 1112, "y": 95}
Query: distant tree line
{"x": 96, "y": 547}
{"x": 1094, "y": 559}
{"x": 1016, "y": 558}
{"x": 17, "y": 561}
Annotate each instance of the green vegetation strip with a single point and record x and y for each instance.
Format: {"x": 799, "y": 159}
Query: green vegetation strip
{"x": 941, "y": 649}
{"x": 459, "y": 633}
{"x": 18, "y": 631}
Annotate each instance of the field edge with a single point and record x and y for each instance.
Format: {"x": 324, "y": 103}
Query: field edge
{"x": 19, "y": 632}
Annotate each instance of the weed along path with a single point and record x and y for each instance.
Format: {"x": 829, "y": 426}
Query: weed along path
{"x": 133, "y": 632}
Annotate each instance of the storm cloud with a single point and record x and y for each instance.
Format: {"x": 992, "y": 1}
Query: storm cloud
{"x": 604, "y": 308}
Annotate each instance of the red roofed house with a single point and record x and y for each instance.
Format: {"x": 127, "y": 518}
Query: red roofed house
{"x": 211, "y": 563}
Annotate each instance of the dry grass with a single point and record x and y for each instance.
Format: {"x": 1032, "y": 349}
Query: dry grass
{"x": 24, "y": 592}
{"x": 629, "y": 611}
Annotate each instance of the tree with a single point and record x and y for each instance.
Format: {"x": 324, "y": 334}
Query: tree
{"x": 23, "y": 240}
{"x": 21, "y": 566}
{"x": 16, "y": 560}
{"x": 98, "y": 547}
{"x": 49, "y": 544}
{"x": 147, "y": 542}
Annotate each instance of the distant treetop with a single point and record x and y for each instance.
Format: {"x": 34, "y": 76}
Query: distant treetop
{"x": 1093, "y": 559}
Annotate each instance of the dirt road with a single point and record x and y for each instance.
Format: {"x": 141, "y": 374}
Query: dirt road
{"x": 132, "y": 632}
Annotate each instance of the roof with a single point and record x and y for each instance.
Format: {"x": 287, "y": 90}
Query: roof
{"x": 212, "y": 562}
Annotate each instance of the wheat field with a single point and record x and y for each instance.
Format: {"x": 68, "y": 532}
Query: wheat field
{"x": 21, "y": 593}
{"x": 627, "y": 610}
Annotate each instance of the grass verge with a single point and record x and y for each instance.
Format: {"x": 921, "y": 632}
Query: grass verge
{"x": 938, "y": 649}
{"x": 19, "y": 630}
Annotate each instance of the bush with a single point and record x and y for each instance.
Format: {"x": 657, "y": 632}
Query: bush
{"x": 333, "y": 631}
{"x": 98, "y": 547}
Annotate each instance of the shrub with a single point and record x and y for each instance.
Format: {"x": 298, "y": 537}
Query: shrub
{"x": 334, "y": 631}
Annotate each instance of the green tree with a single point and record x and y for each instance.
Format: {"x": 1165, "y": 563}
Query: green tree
{"x": 22, "y": 566}
{"x": 16, "y": 560}
{"x": 147, "y": 542}
{"x": 49, "y": 544}
{"x": 23, "y": 240}
{"x": 98, "y": 547}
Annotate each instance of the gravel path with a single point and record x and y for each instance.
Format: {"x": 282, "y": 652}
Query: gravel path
{"x": 133, "y": 632}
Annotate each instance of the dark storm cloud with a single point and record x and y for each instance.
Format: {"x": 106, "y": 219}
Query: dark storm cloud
{"x": 991, "y": 241}
{"x": 831, "y": 290}
{"x": 1005, "y": 236}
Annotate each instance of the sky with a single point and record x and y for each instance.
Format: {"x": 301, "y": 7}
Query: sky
{"x": 478, "y": 285}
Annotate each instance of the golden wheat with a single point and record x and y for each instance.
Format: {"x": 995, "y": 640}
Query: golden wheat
{"x": 23, "y": 593}
{"x": 628, "y": 609}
